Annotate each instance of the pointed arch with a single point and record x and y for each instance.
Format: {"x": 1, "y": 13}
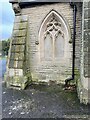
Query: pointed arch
{"x": 54, "y": 35}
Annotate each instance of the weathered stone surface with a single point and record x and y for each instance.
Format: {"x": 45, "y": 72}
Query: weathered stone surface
{"x": 22, "y": 18}
{"x": 86, "y": 37}
{"x": 16, "y": 69}
{"x": 86, "y": 4}
{"x": 16, "y": 8}
{"x": 21, "y": 25}
{"x": 11, "y": 64}
{"x": 13, "y": 72}
{"x": 17, "y": 48}
{"x": 17, "y": 19}
{"x": 16, "y": 64}
{"x": 19, "y": 33}
{"x": 87, "y": 13}
{"x": 19, "y": 40}
{"x": 87, "y": 24}
{"x": 83, "y": 83}
{"x": 20, "y": 82}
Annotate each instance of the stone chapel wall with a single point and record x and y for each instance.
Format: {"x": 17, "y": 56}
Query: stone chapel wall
{"x": 47, "y": 70}
{"x": 83, "y": 86}
{"x": 25, "y": 60}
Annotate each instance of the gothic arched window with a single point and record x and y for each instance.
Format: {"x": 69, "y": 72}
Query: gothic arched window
{"x": 53, "y": 35}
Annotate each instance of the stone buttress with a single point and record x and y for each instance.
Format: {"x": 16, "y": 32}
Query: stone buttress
{"x": 16, "y": 64}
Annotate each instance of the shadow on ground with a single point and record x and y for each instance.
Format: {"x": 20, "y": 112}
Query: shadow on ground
{"x": 42, "y": 101}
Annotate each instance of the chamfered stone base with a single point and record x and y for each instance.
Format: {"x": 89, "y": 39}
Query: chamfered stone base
{"x": 17, "y": 82}
{"x": 83, "y": 94}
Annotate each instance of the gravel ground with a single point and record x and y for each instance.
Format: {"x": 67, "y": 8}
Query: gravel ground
{"x": 42, "y": 101}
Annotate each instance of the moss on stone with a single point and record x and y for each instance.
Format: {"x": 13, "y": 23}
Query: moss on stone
{"x": 76, "y": 77}
{"x": 17, "y": 81}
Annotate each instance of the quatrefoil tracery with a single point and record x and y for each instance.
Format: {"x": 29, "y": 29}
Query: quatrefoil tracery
{"x": 53, "y": 28}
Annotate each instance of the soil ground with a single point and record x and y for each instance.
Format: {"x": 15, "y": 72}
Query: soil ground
{"x": 42, "y": 101}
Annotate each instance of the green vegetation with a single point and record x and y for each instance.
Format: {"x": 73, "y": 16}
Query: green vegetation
{"x": 4, "y": 47}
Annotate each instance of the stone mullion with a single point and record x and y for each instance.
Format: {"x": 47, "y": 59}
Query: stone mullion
{"x": 53, "y": 47}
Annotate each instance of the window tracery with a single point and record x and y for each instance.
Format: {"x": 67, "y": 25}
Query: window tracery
{"x": 53, "y": 27}
{"x": 53, "y": 34}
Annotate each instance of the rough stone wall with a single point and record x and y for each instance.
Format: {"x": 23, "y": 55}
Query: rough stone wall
{"x": 49, "y": 70}
{"x": 86, "y": 37}
{"x": 84, "y": 82}
{"x": 78, "y": 35}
